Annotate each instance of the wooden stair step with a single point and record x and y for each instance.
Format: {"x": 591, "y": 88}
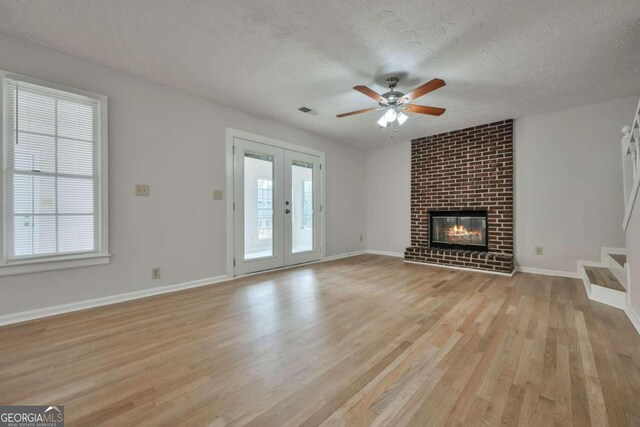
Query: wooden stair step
{"x": 602, "y": 276}
{"x": 619, "y": 258}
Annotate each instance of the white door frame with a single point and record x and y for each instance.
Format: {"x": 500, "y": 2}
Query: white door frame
{"x": 229, "y": 197}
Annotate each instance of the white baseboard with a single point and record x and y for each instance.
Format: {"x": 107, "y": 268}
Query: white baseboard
{"x": 344, "y": 255}
{"x": 633, "y": 316}
{"x": 545, "y": 272}
{"x": 386, "y": 253}
{"x": 24, "y": 316}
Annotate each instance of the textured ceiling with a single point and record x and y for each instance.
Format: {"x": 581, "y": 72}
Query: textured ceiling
{"x": 500, "y": 59}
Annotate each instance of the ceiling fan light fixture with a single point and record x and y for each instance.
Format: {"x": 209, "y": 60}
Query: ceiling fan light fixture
{"x": 390, "y": 115}
{"x": 382, "y": 122}
{"x": 402, "y": 117}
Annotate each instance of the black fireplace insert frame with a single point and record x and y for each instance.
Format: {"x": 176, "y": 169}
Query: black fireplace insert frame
{"x": 473, "y": 214}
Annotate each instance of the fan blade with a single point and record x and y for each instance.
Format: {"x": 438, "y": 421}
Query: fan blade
{"x": 423, "y": 90}
{"x": 370, "y": 93}
{"x": 432, "y": 111}
{"x": 366, "y": 110}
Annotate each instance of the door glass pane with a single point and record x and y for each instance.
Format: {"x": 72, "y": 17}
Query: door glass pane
{"x": 301, "y": 206}
{"x": 258, "y": 206}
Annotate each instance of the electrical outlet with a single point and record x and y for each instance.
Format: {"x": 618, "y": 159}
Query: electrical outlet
{"x": 539, "y": 250}
{"x": 217, "y": 194}
{"x": 143, "y": 190}
{"x": 155, "y": 273}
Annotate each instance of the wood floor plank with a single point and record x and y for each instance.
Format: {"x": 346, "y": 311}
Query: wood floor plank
{"x": 597, "y": 407}
{"x": 366, "y": 340}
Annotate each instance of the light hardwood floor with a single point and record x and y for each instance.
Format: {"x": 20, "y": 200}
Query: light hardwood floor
{"x": 359, "y": 341}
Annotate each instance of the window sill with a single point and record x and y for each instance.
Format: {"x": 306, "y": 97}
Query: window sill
{"x": 52, "y": 264}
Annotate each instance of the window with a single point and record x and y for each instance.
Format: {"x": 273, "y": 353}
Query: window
{"x": 265, "y": 209}
{"x": 54, "y": 176}
{"x": 307, "y": 204}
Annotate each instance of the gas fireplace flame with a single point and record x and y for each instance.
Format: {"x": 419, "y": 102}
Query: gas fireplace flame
{"x": 460, "y": 231}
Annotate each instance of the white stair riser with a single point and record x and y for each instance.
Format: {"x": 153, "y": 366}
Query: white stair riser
{"x": 608, "y": 296}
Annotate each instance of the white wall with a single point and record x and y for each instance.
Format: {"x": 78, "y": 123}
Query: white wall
{"x": 568, "y": 187}
{"x": 176, "y": 143}
{"x": 388, "y": 198}
{"x": 633, "y": 260}
{"x": 632, "y": 237}
{"x": 569, "y": 196}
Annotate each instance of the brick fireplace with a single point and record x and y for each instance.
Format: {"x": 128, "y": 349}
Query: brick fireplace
{"x": 458, "y": 178}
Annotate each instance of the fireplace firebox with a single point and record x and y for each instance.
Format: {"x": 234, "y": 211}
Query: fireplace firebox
{"x": 458, "y": 230}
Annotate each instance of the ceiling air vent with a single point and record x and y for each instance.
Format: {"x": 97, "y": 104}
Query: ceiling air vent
{"x": 308, "y": 110}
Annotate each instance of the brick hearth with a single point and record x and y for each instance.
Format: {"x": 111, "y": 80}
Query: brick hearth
{"x": 467, "y": 169}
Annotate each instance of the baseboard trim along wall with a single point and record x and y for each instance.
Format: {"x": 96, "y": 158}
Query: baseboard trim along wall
{"x": 24, "y": 316}
{"x": 633, "y": 316}
{"x": 344, "y": 255}
{"x": 545, "y": 272}
{"x": 386, "y": 253}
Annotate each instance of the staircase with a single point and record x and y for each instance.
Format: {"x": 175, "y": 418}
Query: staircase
{"x": 606, "y": 281}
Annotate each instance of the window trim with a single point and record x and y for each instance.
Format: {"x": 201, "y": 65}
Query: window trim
{"x": 57, "y": 262}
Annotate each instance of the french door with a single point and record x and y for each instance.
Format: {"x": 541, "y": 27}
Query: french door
{"x": 276, "y": 207}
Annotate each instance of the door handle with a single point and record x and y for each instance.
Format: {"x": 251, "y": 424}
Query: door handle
{"x": 287, "y": 211}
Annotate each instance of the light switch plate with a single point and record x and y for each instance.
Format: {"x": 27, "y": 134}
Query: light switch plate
{"x": 143, "y": 190}
{"x": 217, "y": 194}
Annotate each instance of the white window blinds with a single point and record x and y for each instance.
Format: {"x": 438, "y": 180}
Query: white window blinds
{"x": 51, "y": 170}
